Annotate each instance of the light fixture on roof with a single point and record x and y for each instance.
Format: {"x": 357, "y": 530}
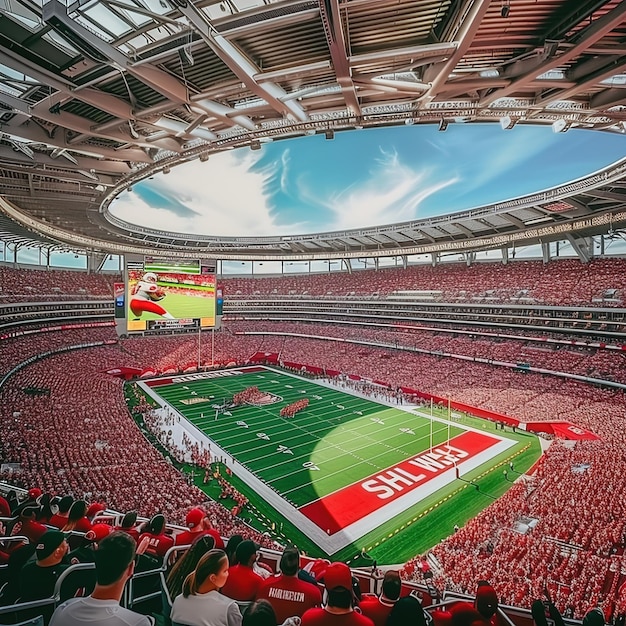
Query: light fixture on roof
{"x": 329, "y": 134}
{"x": 409, "y": 121}
{"x": 561, "y": 126}
{"x": 204, "y": 158}
{"x": 443, "y": 124}
{"x": 166, "y": 170}
{"x": 507, "y": 122}
{"x": 505, "y": 10}
{"x": 255, "y": 145}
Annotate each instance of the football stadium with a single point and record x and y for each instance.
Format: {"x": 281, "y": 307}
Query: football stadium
{"x": 313, "y": 312}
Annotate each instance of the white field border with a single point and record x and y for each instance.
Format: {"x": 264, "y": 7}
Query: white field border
{"x": 341, "y": 539}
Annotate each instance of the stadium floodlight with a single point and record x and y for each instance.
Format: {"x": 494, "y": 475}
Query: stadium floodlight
{"x": 507, "y": 122}
{"x": 443, "y": 124}
{"x": 330, "y": 134}
{"x": 561, "y": 126}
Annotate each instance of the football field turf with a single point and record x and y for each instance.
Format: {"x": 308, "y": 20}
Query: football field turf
{"x": 337, "y": 469}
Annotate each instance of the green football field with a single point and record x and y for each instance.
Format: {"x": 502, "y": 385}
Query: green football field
{"x": 319, "y": 460}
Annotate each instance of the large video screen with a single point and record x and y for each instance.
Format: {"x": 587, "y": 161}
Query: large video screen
{"x": 166, "y": 294}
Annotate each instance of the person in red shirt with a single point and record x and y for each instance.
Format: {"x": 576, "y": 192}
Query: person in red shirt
{"x": 377, "y": 608}
{"x": 59, "y": 519}
{"x": 198, "y": 524}
{"x": 28, "y": 526}
{"x": 340, "y": 607}
{"x": 158, "y": 542}
{"x": 76, "y": 519}
{"x": 287, "y": 594}
{"x": 129, "y": 526}
{"x": 243, "y": 584}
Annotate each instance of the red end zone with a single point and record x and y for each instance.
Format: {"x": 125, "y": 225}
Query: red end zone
{"x": 350, "y": 504}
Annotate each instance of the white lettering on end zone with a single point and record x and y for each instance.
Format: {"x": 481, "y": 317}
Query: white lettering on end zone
{"x": 385, "y": 485}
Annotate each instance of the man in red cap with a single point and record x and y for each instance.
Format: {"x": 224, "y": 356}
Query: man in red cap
{"x": 198, "y": 525}
{"x": 340, "y": 606}
{"x": 243, "y": 583}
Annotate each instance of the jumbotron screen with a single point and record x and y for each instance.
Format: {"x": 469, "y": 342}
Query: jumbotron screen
{"x": 166, "y": 294}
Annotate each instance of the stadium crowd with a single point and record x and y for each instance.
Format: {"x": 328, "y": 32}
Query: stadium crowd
{"x": 79, "y": 439}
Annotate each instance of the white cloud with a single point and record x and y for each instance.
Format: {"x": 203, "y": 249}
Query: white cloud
{"x": 391, "y": 192}
{"x": 229, "y": 198}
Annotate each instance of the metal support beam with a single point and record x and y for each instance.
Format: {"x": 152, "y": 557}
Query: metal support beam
{"x": 580, "y": 247}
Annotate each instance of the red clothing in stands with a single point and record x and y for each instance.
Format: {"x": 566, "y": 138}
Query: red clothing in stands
{"x": 289, "y": 596}
{"x": 5, "y": 509}
{"x": 159, "y": 544}
{"x": 320, "y": 617}
{"x": 133, "y": 532}
{"x": 376, "y": 609}
{"x": 242, "y": 583}
{"x": 29, "y": 528}
{"x": 58, "y": 520}
{"x": 187, "y": 537}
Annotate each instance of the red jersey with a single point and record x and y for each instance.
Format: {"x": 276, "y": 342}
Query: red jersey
{"x": 29, "y": 528}
{"x": 158, "y": 545}
{"x": 58, "y": 520}
{"x": 376, "y": 609}
{"x": 289, "y": 596}
{"x": 133, "y": 532}
{"x": 320, "y": 617}
{"x": 242, "y": 583}
{"x": 187, "y": 537}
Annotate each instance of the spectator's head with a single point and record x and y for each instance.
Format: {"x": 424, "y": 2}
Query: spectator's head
{"x": 97, "y": 533}
{"x": 195, "y": 519}
{"x": 34, "y": 493}
{"x": 290, "y": 561}
{"x": 129, "y": 520}
{"x": 259, "y": 613}
{"x": 211, "y": 573}
{"x": 187, "y": 563}
{"x": 114, "y": 559}
{"x": 486, "y": 601}
{"x": 246, "y": 553}
{"x": 93, "y": 509}
{"x": 406, "y": 611}
{"x": 51, "y": 548}
{"x": 464, "y": 614}
{"x": 157, "y": 524}
{"x": 65, "y": 503}
{"x": 231, "y": 548}
{"x": 77, "y": 511}
{"x": 338, "y": 583}
{"x": 594, "y": 617}
{"x": 392, "y": 585}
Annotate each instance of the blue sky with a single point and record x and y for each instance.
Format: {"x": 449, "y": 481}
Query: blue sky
{"x": 363, "y": 178}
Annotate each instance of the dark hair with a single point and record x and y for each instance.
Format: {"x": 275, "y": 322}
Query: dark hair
{"x": 259, "y": 613}
{"x": 187, "y": 563}
{"x": 77, "y": 512}
{"x": 340, "y": 597}
{"x": 209, "y": 563}
{"x": 231, "y": 548}
{"x": 290, "y": 561}
{"x": 156, "y": 525}
{"x": 129, "y": 519}
{"x": 65, "y": 503}
{"x": 406, "y": 611}
{"x": 392, "y": 585}
{"x": 113, "y": 556}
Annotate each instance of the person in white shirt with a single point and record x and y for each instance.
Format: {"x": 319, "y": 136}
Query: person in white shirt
{"x": 115, "y": 564}
{"x": 201, "y": 603}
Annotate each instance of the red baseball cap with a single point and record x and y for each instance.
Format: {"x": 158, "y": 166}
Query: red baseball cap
{"x": 34, "y": 493}
{"x": 338, "y": 575}
{"x": 98, "y": 532}
{"x": 195, "y": 517}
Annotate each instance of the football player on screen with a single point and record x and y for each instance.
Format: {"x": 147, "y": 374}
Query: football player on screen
{"x": 145, "y": 296}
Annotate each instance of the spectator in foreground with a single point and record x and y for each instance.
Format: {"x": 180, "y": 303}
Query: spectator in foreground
{"x": 201, "y": 603}
{"x": 261, "y": 613}
{"x": 377, "y": 608}
{"x": 115, "y": 564}
{"x": 187, "y": 564}
{"x": 287, "y": 594}
{"x": 243, "y": 583}
{"x": 406, "y": 611}
{"x": 40, "y": 574}
{"x": 340, "y": 606}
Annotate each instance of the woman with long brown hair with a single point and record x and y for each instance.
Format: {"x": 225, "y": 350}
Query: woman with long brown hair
{"x": 201, "y": 603}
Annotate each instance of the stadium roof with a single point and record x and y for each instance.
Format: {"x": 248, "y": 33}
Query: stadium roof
{"x": 99, "y": 94}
